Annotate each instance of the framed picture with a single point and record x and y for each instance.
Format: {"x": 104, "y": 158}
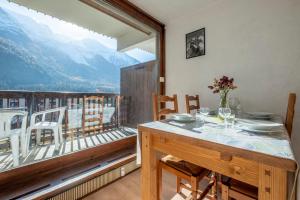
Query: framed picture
{"x": 195, "y": 43}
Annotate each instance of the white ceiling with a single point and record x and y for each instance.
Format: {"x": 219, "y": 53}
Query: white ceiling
{"x": 78, "y": 13}
{"x": 166, "y": 10}
{"x": 85, "y": 16}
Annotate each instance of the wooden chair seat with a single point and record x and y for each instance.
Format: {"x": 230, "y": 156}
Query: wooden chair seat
{"x": 244, "y": 188}
{"x": 185, "y": 167}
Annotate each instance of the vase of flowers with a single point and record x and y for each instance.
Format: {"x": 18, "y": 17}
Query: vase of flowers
{"x": 223, "y": 86}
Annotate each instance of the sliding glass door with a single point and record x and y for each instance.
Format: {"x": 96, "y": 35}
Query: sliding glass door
{"x": 74, "y": 76}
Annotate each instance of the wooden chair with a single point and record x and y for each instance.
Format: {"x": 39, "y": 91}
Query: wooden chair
{"x": 238, "y": 190}
{"x": 161, "y": 113}
{"x": 183, "y": 170}
{"x": 92, "y": 114}
{"x": 189, "y": 106}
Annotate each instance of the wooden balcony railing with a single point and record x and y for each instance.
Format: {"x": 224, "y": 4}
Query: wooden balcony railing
{"x": 114, "y": 112}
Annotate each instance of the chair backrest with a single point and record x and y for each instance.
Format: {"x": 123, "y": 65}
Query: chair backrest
{"x": 92, "y": 115}
{"x": 290, "y": 113}
{"x": 61, "y": 112}
{"x": 189, "y": 105}
{"x": 159, "y": 113}
{"x": 6, "y": 119}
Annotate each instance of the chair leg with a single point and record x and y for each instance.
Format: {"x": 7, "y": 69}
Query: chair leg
{"x": 225, "y": 194}
{"x": 194, "y": 184}
{"x": 38, "y": 136}
{"x": 178, "y": 184}
{"x": 43, "y": 132}
{"x": 214, "y": 190}
{"x": 24, "y": 144}
{"x": 60, "y": 134}
{"x": 56, "y": 138}
{"x": 14, "y": 141}
{"x": 28, "y": 138}
{"x": 159, "y": 180}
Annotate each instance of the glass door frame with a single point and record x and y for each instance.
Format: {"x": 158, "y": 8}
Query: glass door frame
{"x": 143, "y": 17}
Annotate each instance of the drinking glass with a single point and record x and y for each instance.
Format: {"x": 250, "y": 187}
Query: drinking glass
{"x": 202, "y": 112}
{"x": 231, "y": 120}
{"x": 198, "y": 115}
{"x": 225, "y": 113}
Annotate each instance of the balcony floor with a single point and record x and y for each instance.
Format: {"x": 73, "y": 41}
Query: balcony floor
{"x": 46, "y": 151}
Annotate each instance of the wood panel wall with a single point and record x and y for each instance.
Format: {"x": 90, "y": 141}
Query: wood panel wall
{"x": 138, "y": 82}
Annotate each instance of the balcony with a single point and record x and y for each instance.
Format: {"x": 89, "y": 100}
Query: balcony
{"x": 84, "y": 140}
{"x": 77, "y": 135}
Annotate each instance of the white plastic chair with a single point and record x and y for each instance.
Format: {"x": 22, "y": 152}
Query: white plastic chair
{"x": 56, "y": 127}
{"x": 13, "y": 135}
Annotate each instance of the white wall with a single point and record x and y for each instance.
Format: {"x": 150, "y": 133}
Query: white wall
{"x": 255, "y": 41}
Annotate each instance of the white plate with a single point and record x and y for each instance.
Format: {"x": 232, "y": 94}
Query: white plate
{"x": 261, "y": 131}
{"x": 183, "y": 117}
{"x": 260, "y": 115}
{"x": 259, "y": 125}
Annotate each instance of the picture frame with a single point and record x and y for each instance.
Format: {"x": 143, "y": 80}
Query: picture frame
{"x": 195, "y": 43}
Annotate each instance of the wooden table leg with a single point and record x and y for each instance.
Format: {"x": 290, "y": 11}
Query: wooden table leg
{"x": 272, "y": 183}
{"x": 149, "y": 169}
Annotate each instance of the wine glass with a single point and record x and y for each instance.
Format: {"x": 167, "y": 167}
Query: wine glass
{"x": 234, "y": 105}
{"x": 225, "y": 113}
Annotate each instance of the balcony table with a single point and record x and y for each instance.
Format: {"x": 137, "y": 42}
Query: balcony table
{"x": 261, "y": 160}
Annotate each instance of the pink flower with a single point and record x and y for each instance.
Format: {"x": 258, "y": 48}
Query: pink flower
{"x": 223, "y": 84}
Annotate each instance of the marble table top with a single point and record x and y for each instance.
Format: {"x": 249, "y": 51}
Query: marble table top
{"x": 274, "y": 144}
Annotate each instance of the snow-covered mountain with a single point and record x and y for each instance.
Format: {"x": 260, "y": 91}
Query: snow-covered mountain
{"x": 32, "y": 57}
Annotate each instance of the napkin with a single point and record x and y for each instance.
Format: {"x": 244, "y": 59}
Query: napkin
{"x": 209, "y": 127}
{"x": 214, "y": 120}
{"x": 176, "y": 123}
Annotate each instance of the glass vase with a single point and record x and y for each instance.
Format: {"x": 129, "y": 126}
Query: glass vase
{"x": 224, "y": 99}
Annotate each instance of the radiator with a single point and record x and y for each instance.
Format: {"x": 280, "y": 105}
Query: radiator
{"x": 94, "y": 184}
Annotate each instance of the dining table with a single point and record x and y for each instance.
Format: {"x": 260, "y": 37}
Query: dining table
{"x": 263, "y": 160}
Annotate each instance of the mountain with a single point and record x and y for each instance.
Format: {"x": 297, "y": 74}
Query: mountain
{"x": 32, "y": 57}
{"x": 18, "y": 61}
{"x": 9, "y": 28}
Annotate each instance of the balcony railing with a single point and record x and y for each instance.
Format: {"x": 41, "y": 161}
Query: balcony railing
{"x": 89, "y": 119}
{"x": 115, "y": 106}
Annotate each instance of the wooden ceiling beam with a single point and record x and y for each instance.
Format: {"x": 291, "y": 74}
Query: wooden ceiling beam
{"x": 116, "y": 16}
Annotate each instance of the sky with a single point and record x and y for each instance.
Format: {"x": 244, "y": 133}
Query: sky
{"x": 73, "y": 31}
